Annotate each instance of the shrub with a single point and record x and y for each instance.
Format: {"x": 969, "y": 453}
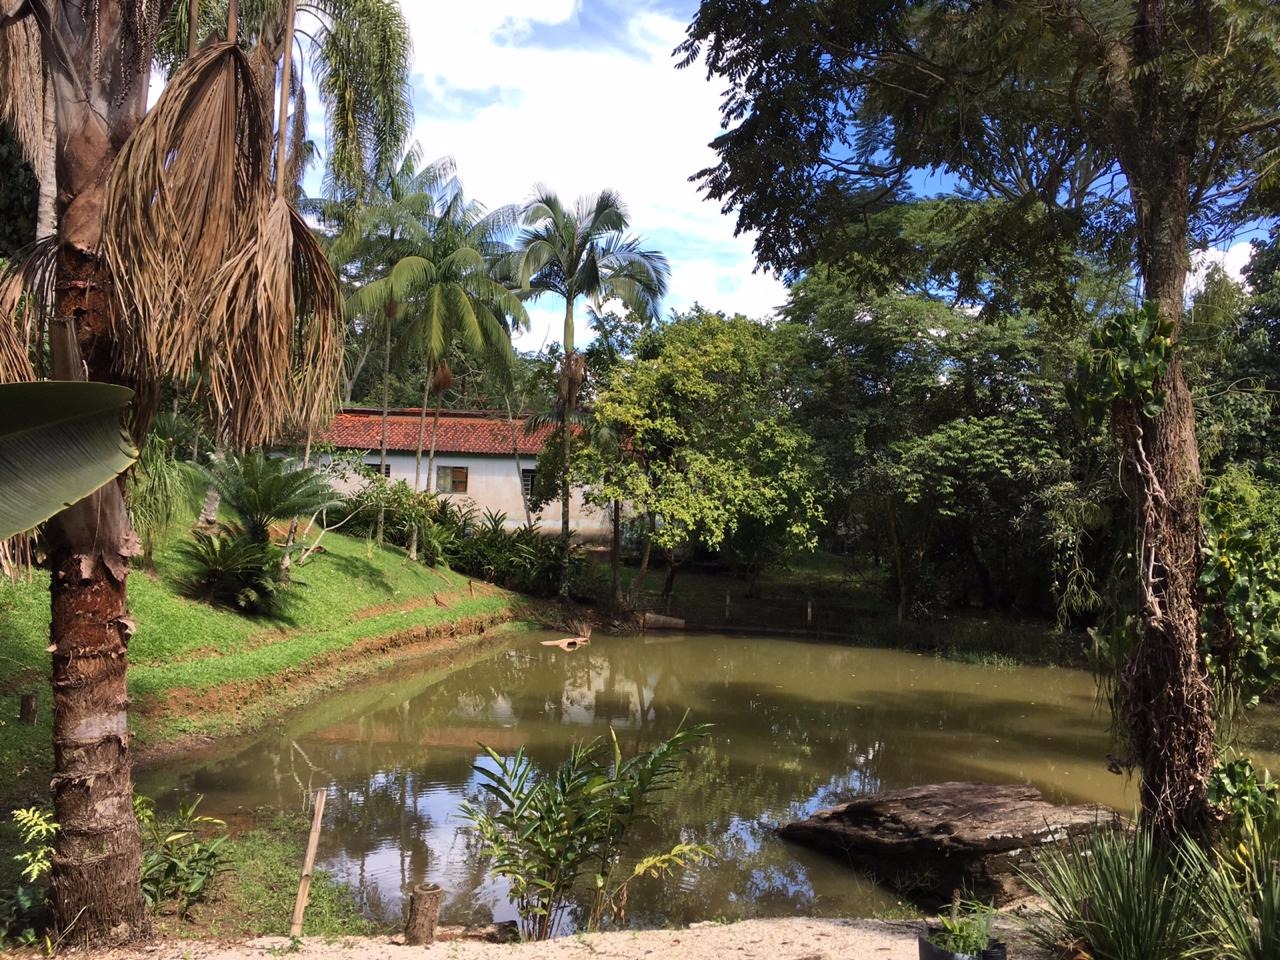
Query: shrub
{"x": 261, "y": 490}
{"x": 181, "y": 855}
{"x": 24, "y": 910}
{"x": 231, "y": 569}
{"x": 545, "y": 834}
{"x": 1122, "y": 896}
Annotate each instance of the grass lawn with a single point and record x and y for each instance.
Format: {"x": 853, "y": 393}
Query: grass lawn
{"x": 196, "y": 668}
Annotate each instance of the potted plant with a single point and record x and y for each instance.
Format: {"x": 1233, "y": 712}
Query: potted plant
{"x": 964, "y": 935}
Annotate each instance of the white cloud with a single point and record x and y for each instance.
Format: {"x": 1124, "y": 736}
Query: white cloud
{"x": 1232, "y": 259}
{"x": 580, "y": 111}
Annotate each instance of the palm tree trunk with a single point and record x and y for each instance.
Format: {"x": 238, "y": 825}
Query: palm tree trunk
{"x": 422, "y": 431}
{"x": 515, "y": 454}
{"x": 46, "y": 204}
{"x": 386, "y": 412}
{"x": 282, "y": 119}
{"x": 566, "y": 434}
{"x": 431, "y": 456}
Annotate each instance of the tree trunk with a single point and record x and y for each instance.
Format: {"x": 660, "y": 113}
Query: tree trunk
{"x": 386, "y": 411}
{"x": 637, "y": 584}
{"x": 669, "y": 582}
{"x": 46, "y": 203}
{"x": 361, "y": 358}
{"x": 515, "y": 453}
{"x": 1168, "y": 701}
{"x": 422, "y": 431}
{"x": 99, "y": 97}
{"x": 897, "y": 560}
{"x": 615, "y": 557}
{"x": 95, "y": 890}
{"x": 431, "y": 454}
{"x": 570, "y": 397}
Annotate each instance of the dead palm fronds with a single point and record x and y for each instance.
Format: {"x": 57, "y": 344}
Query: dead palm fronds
{"x": 22, "y": 101}
{"x": 26, "y": 299}
{"x": 214, "y": 270}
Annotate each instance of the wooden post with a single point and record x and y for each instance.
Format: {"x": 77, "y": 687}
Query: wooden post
{"x": 727, "y": 605}
{"x": 308, "y": 865}
{"x": 27, "y": 709}
{"x": 424, "y": 912}
{"x": 808, "y": 612}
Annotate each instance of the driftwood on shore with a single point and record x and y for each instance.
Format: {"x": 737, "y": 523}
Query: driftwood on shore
{"x": 930, "y": 841}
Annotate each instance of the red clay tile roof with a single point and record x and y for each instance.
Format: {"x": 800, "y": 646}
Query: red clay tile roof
{"x": 459, "y": 432}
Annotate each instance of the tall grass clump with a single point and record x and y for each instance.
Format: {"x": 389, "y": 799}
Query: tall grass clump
{"x": 1242, "y": 895}
{"x": 1123, "y": 896}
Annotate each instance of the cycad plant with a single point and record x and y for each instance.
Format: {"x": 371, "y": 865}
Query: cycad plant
{"x": 583, "y": 251}
{"x": 261, "y": 490}
{"x": 176, "y": 255}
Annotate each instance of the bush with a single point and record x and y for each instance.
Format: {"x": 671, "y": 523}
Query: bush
{"x": 181, "y": 855}
{"x": 24, "y": 911}
{"x": 261, "y": 490}
{"x": 229, "y": 568}
{"x": 1122, "y": 896}
{"x": 523, "y": 560}
{"x": 547, "y": 833}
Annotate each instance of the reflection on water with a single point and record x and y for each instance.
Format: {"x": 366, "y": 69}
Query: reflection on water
{"x": 797, "y": 726}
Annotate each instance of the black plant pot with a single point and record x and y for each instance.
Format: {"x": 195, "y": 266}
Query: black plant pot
{"x": 995, "y": 951}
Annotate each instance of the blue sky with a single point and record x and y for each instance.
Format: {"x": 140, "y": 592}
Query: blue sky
{"x": 581, "y": 96}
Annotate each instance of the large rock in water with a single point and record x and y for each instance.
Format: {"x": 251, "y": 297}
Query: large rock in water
{"x": 929, "y": 841}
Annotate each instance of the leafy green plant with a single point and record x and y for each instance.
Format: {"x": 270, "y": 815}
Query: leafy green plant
{"x": 182, "y": 854}
{"x": 1242, "y": 895}
{"x": 22, "y": 910}
{"x": 228, "y": 568}
{"x": 1129, "y": 355}
{"x": 1250, "y": 801}
{"x": 1123, "y": 896}
{"x": 545, "y": 834}
{"x": 966, "y": 930}
{"x": 262, "y": 490}
{"x": 162, "y": 488}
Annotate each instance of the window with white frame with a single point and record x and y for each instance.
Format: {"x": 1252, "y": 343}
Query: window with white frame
{"x": 527, "y": 479}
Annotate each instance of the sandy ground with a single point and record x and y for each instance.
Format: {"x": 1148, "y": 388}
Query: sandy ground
{"x": 788, "y": 939}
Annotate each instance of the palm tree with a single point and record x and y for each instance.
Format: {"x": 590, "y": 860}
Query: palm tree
{"x": 584, "y": 252}
{"x": 262, "y": 490}
{"x": 186, "y": 260}
{"x": 440, "y": 283}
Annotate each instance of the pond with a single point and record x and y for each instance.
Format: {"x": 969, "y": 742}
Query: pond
{"x": 797, "y": 726}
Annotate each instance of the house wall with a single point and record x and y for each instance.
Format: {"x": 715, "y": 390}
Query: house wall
{"x": 494, "y": 484}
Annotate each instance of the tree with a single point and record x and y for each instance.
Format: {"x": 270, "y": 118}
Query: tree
{"x": 1138, "y": 125}
{"x": 176, "y": 253}
{"x": 584, "y": 252}
{"x": 697, "y": 437}
{"x": 438, "y": 282}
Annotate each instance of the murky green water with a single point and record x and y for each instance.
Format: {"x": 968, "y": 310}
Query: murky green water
{"x": 798, "y": 726}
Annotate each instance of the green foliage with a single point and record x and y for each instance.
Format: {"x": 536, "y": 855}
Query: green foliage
{"x": 23, "y": 910}
{"x": 698, "y": 436}
{"x": 59, "y": 443}
{"x": 1248, "y": 800}
{"x": 403, "y": 511}
{"x": 182, "y": 855}
{"x": 262, "y": 490}
{"x": 523, "y": 560}
{"x": 546, "y": 834}
{"x": 18, "y": 192}
{"x": 163, "y": 488}
{"x": 966, "y": 930}
{"x": 1240, "y": 594}
{"x": 1129, "y": 355}
{"x": 1122, "y": 896}
{"x": 231, "y": 569}
{"x": 36, "y": 832}
{"x": 1241, "y": 897}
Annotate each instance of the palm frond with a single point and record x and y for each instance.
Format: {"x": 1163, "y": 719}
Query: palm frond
{"x": 22, "y": 85}
{"x": 26, "y": 303}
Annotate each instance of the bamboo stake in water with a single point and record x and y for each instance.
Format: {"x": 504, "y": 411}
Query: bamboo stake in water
{"x": 308, "y": 865}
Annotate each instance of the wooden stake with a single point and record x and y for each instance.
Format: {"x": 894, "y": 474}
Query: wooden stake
{"x": 308, "y": 865}
{"x": 424, "y": 912}
{"x": 27, "y": 709}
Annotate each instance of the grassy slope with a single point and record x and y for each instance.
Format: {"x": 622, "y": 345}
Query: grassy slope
{"x": 351, "y": 592}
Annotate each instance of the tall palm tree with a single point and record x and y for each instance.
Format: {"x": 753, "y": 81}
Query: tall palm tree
{"x": 584, "y": 252}
{"x": 176, "y": 253}
{"x": 440, "y": 282}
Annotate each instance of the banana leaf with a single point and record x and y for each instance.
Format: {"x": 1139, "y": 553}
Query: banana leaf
{"x": 59, "y": 442}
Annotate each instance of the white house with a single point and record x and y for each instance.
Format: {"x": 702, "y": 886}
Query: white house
{"x": 481, "y": 458}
